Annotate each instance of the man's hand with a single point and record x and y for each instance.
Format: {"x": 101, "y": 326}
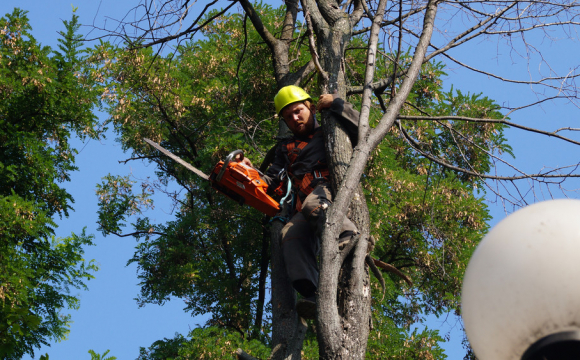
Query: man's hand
{"x": 244, "y": 161}
{"x": 325, "y": 101}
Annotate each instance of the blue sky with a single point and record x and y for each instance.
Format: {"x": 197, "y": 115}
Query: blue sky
{"x": 109, "y": 317}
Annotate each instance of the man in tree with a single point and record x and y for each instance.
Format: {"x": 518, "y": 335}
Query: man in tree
{"x": 301, "y": 158}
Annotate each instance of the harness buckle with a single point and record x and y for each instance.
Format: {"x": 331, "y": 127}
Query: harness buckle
{"x": 317, "y": 176}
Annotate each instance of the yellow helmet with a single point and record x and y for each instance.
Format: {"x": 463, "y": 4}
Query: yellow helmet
{"x": 289, "y": 95}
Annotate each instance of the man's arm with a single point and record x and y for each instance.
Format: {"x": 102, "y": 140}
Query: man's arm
{"x": 344, "y": 112}
{"x": 271, "y": 177}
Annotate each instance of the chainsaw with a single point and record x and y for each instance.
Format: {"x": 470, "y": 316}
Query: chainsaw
{"x": 236, "y": 180}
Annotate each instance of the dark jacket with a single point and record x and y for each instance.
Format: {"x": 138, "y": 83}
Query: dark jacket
{"x": 311, "y": 157}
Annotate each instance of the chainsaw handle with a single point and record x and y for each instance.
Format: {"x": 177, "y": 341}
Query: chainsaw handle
{"x": 228, "y": 159}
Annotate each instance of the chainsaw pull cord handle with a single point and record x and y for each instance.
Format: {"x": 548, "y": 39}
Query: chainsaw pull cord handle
{"x": 228, "y": 159}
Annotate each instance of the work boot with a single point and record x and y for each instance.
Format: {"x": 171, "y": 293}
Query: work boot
{"x": 306, "y": 308}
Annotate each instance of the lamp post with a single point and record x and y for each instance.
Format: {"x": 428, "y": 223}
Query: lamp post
{"x": 521, "y": 290}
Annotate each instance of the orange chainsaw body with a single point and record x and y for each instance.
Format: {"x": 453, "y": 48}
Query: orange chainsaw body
{"x": 243, "y": 184}
{"x": 240, "y": 182}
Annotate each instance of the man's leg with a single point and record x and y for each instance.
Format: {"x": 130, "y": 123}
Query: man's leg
{"x": 300, "y": 246}
{"x": 313, "y": 209}
{"x": 299, "y": 249}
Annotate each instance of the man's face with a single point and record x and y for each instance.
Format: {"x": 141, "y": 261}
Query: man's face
{"x": 299, "y": 118}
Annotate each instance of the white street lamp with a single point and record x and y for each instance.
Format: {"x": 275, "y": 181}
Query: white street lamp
{"x": 521, "y": 291}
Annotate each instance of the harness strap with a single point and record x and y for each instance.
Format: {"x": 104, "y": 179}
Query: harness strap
{"x": 308, "y": 183}
{"x": 294, "y": 148}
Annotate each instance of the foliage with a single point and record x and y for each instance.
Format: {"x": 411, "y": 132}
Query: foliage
{"x": 439, "y": 216}
{"x": 166, "y": 349}
{"x": 204, "y": 343}
{"x": 103, "y": 356}
{"x": 201, "y": 102}
{"x": 43, "y": 101}
{"x": 212, "y": 96}
{"x": 213, "y": 343}
{"x": 430, "y": 219}
{"x": 116, "y": 196}
{"x": 389, "y": 341}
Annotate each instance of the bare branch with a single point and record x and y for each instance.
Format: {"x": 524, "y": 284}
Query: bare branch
{"x": 136, "y": 233}
{"x": 358, "y": 12}
{"x": 396, "y": 20}
{"x": 242, "y": 355}
{"x": 370, "y": 71}
{"x": 312, "y": 46}
{"x": 546, "y": 175}
{"x": 390, "y": 268}
{"x": 258, "y": 25}
{"x": 418, "y": 58}
{"x": 463, "y": 37}
{"x": 503, "y": 79}
{"x": 493, "y": 121}
{"x": 566, "y": 129}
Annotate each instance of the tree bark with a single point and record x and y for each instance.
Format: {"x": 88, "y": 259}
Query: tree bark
{"x": 287, "y": 332}
{"x": 344, "y": 288}
{"x": 344, "y": 285}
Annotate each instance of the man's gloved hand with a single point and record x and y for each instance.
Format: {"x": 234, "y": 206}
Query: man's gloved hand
{"x": 244, "y": 161}
{"x": 325, "y": 101}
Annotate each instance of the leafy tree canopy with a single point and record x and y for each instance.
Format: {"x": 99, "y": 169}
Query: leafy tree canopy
{"x": 45, "y": 98}
{"x": 214, "y": 95}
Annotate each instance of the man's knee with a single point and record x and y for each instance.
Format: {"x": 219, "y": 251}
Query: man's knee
{"x": 295, "y": 228}
{"x": 316, "y": 201}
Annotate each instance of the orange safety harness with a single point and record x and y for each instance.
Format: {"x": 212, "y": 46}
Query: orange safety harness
{"x": 309, "y": 180}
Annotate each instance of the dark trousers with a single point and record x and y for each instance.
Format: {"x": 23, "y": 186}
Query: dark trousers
{"x": 300, "y": 243}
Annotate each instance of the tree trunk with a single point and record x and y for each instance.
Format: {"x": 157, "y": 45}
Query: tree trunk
{"x": 287, "y": 331}
{"x": 344, "y": 290}
{"x": 344, "y": 327}
{"x": 344, "y": 285}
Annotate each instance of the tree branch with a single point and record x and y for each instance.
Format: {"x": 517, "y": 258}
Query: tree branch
{"x": 363, "y": 126}
{"x": 546, "y": 175}
{"x": 242, "y": 355}
{"x": 390, "y": 22}
{"x": 258, "y": 25}
{"x": 492, "y": 121}
{"x": 136, "y": 233}
{"x": 312, "y": 46}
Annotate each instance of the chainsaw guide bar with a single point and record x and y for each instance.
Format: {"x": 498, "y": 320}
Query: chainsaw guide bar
{"x": 236, "y": 180}
{"x": 176, "y": 158}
